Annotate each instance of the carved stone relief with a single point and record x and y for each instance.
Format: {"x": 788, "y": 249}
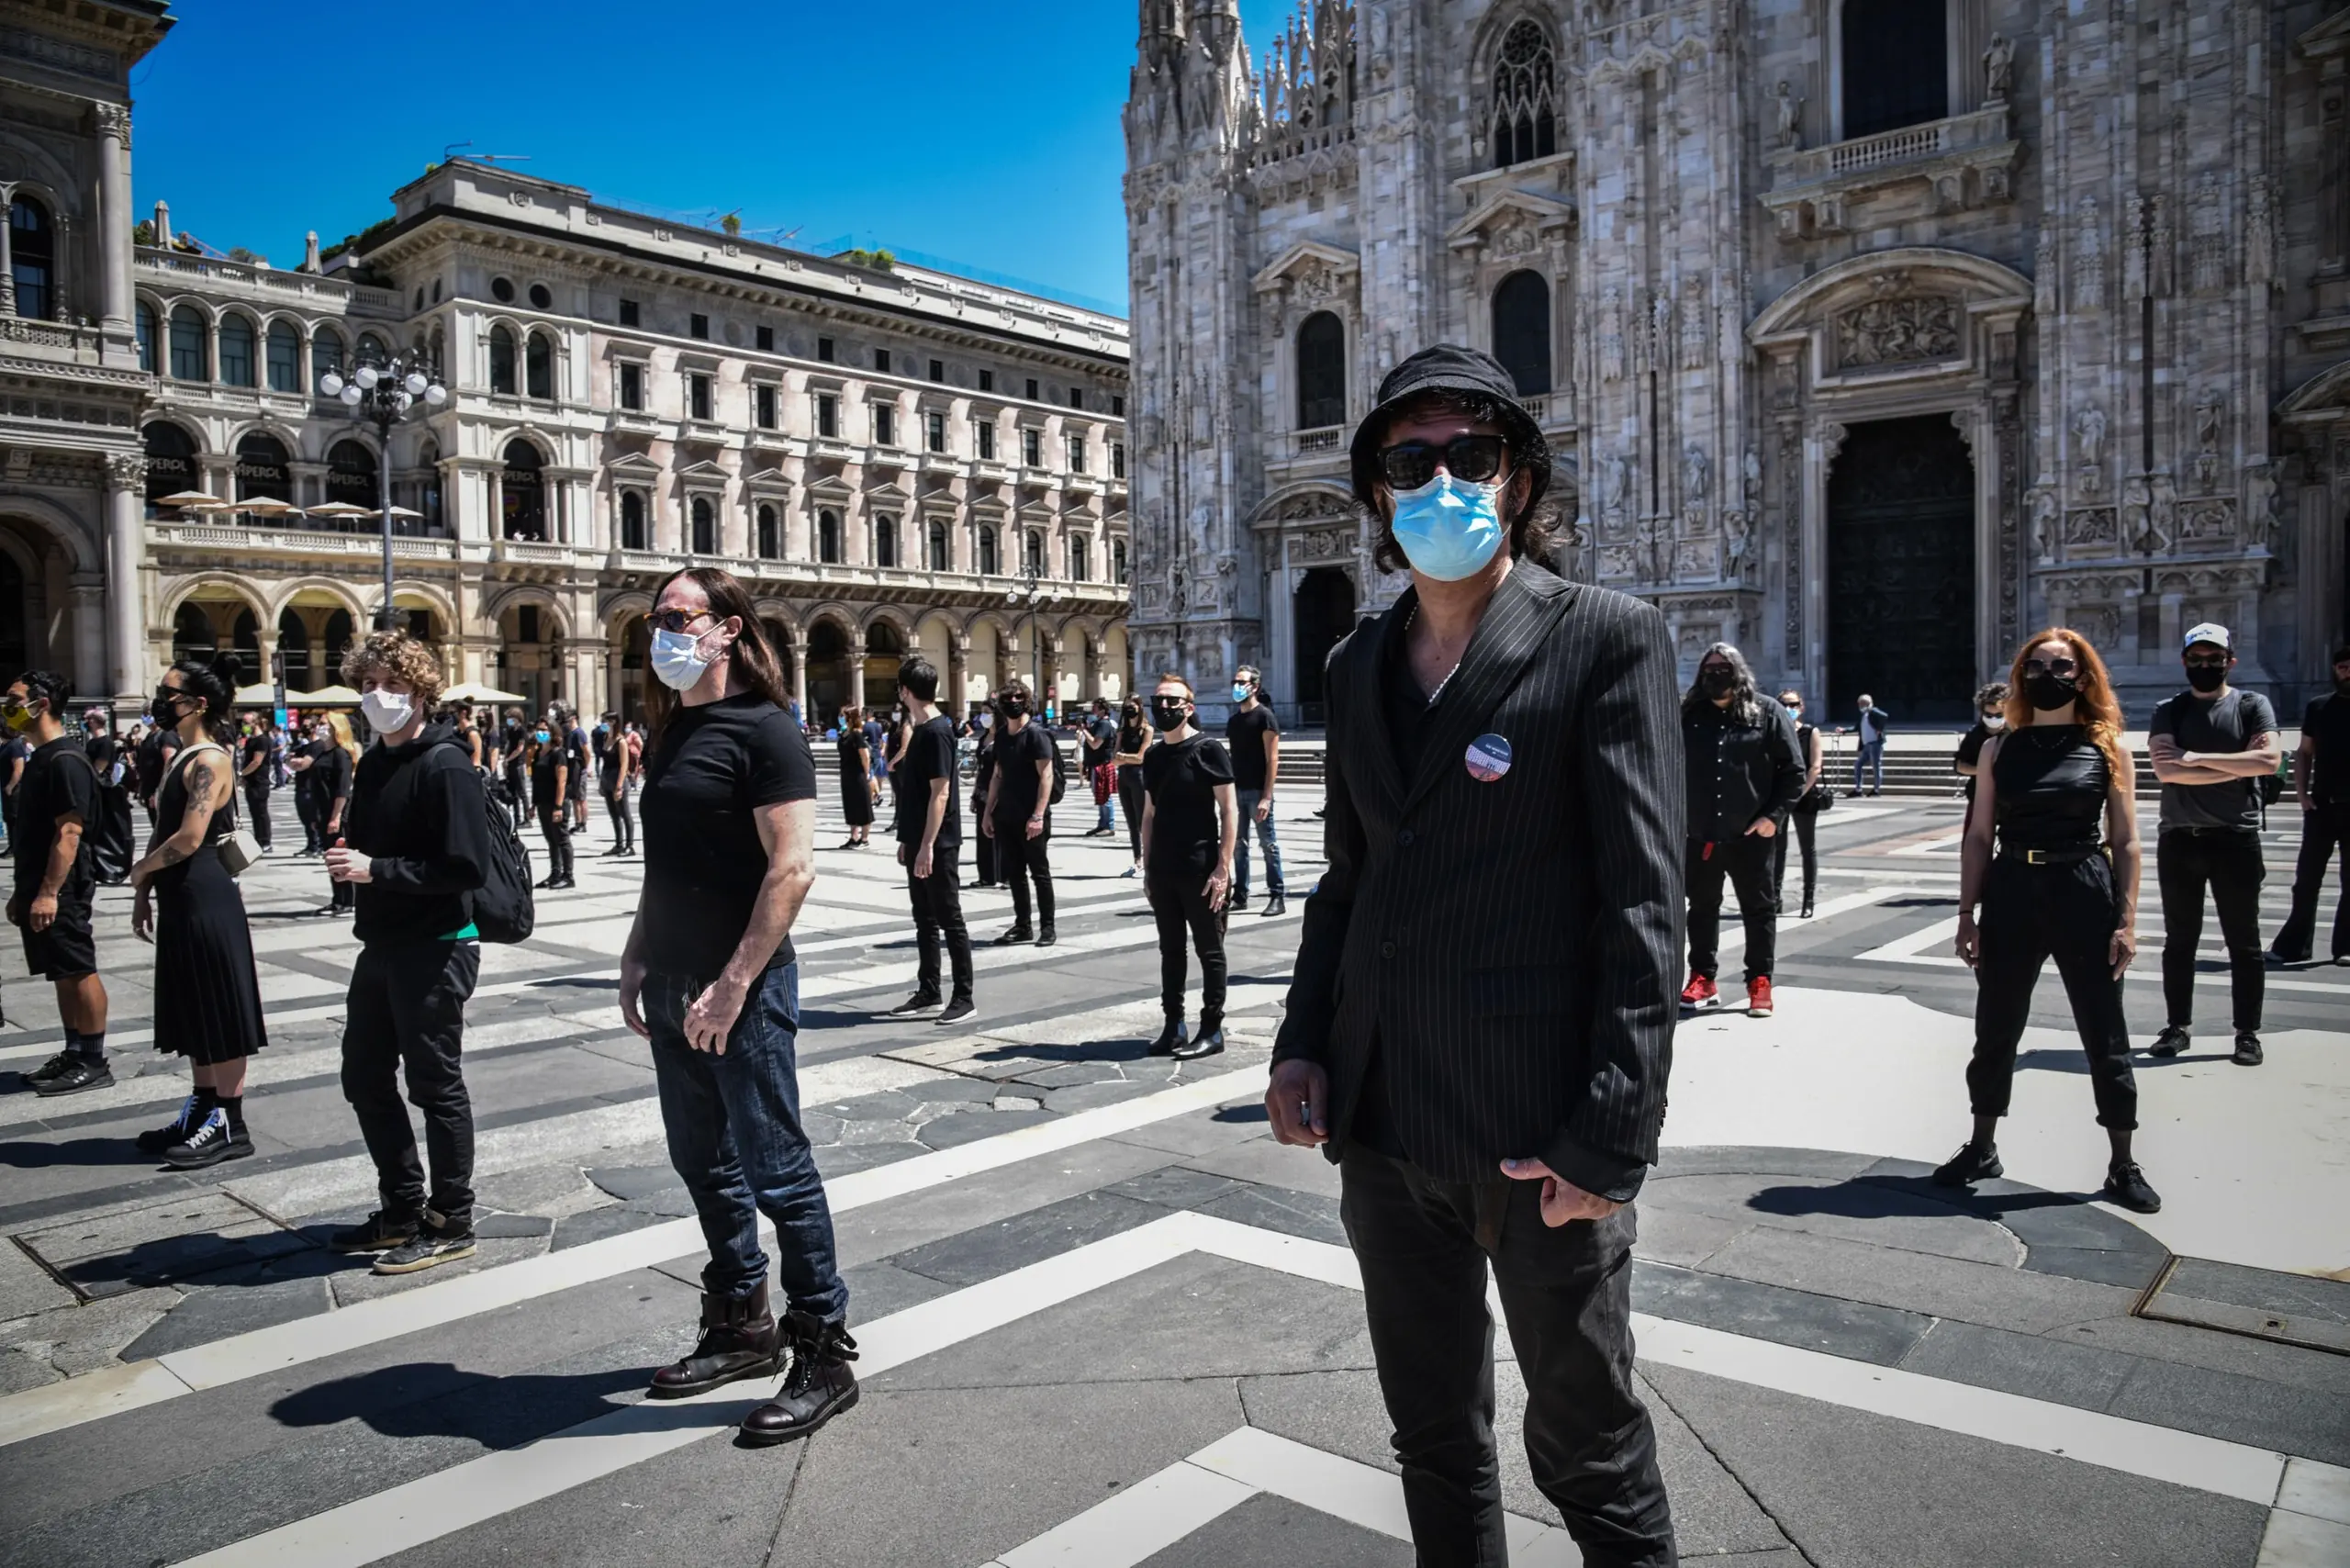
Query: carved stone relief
{"x": 1897, "y": 331}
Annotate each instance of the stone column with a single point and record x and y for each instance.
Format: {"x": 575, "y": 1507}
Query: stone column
{"x": 959, "y": 670}
{"x": 1092, "y": 687}
{"x": 87, "y": 593}
{"x": 856, "y": 678}
{"x": 126, "y": 659}
{"x": 612, "y": 677}
{"x": 265, "y": 650}
{"x": 114, "y": 214}
{"x": 798, "y": 659}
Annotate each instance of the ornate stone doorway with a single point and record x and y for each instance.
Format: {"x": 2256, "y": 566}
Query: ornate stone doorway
{"x": 1324, "y": 612}
{"x": 1901, "y": 589}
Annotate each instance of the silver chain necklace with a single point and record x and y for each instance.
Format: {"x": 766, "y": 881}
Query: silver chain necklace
{"x": 1412, "y": 616}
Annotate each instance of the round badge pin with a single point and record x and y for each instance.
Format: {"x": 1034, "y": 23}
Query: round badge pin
{"x": 1488, "y": 758}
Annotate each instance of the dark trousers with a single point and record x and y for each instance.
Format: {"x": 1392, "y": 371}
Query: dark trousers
{"x": 1424, "y": 1247}
{"x": 556, "y": 826}
{"x": 305, "y": 812}
{"x": 1746, "y": 860}
{"x": 623, "y": 814}
{"x": 2029, "y": 915}
{"x": 406, "y": 1014}
{"x": 1178, "y": 900}
{"x": 983, "y": 857}
{"x": 257, "y": 809}
{"x": 1020, "y": 860}
{"x": 2230, "y": 863}
{"x": 1801, "y": 826}
{"x": 2325, "y": 834}
{"x": 1266, "y": 836}
{"x": 937, "y": 900}
{"x": 1130, "y": 799}
{"x": 735, "y": 1137}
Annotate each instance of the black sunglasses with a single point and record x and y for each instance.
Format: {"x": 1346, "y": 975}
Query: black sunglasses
{"x": 1474, "y": 458}
{"x": 2057, "y": 667}
{"x": 675, "y": 620}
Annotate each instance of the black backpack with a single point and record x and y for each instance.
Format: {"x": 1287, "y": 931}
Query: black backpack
{"x": 1060, "y": 768}
{"x": 503, "y": 909}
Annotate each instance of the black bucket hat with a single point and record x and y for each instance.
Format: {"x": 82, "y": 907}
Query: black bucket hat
{"x": 1448, "y": 367}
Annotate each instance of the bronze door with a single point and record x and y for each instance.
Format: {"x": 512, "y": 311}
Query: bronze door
{"x": 1901, "y": 571}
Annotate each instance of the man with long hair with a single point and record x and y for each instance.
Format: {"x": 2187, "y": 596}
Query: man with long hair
{"x": 59, "y": 801}
{"x": 1744, "y": 770}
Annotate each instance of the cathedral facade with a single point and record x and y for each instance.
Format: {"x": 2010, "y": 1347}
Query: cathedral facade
{"x": 1869, "y": 335}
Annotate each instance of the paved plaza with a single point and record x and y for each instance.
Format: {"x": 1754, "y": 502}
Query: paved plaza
{"x": 1106, "y": 1320}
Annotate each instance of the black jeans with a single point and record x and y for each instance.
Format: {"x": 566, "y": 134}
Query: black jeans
{"x": 938, "y": 911}
{"x": 982, "y": 854}
{"x": 2325, "y": 834}
{"x": 2230, "y": 862}
{"x": 1801, "y": 826}
{"x": 1179, "y": 902}
{"x": 2031, "y": 913}
{"x": 406, "y": 1013}
{"x": 623, "y": 814}
{"x": 1130, "y": 799}
{"x": 257, "y": 810}
{"x": 1423, "y": 1246}
{"x": 1019, "y": 859}
{"x": 305, "y": 812}
{"x": 1746, "y": 861}
{"x": 555, "y": 824}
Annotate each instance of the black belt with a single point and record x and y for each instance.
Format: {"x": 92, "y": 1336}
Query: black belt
{"x": 2052, "y": 856}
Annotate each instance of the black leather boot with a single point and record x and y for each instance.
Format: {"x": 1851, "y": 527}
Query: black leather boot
{"x": 818, "y": 1388}
{"x": 1170, "y": 1040}
{"x": 739, "y": 1338}
{"x": 1208, "y": 1042}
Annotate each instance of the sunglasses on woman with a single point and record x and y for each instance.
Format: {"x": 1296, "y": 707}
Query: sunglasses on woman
{"x": 1475, "y": 459}
{"x": 2059, "y": 668}
{"x": 675, "y": 620}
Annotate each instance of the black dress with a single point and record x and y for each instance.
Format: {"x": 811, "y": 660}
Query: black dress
{"x": 208, "y": 997}
{"x": 856, "y": 781}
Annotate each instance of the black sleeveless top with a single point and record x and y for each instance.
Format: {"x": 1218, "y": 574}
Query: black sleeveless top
{"x": 2050, "y": 782}
{"x": 170, "y": 809}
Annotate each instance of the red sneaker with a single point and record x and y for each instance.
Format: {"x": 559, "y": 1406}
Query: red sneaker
{"x": 1758, "y": 997}
{"x": 1700, "y": 994}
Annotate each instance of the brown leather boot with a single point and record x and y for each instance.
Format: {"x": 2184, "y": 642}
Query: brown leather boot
{"x": 818, "y": 1388}
{"x": 739, "y": 1338}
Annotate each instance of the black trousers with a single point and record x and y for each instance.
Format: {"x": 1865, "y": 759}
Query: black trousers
{"x": 1424, "y": 1247}
{"x": 407, "y": 1014}
{"x": 305, "y": 812}
{"x": 623, "y": 814}
{"x": 938, "y": 913}
{"x": 1801, "y": 827}
{"x": 257, "y": 809}
{"x": 1130, "y": 799}
{"x": 554, "y": 821}
{"x": 2325, "y": 834}
{"x": 1746, "y": 860}
{"x": 982, "y": 854}
{"x": 2230, "y": 863}
{"x": 2029, "y": 915}
{"x": 1019, "y": 859}
{"x": 1179, "y": 902}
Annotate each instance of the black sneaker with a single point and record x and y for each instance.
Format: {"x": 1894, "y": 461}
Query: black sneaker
{"x": 210, "y": 1144}
{"x": 1018, "y": 933}
{"x": 2248, "y": 1051}
{"x": 956, "y": 1011}
{"x": 2126, "y": 1186}
{"x": 920, "y": 1002}
{"x": 436, "y": 1242}
{"x": 82, "y": 1072}
{"x": 2170, "y": 1042}
{"x": 1971, "y": 1163}
{"x": 382, "y": 1231}
{"x": 158, "y": 1139}
{"x": 52, "y": 1067}
{"x": 819, "y": 1386}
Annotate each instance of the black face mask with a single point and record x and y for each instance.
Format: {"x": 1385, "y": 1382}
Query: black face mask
{"x": 1011, "y": 707}
{"x": 2206, "y": 678}
{"x": 2047, "y": 692}
{"x": 1168, "y": 712}
{"x": 1717, "y": 682}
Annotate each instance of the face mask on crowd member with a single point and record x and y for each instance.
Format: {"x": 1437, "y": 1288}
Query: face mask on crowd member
{"x": 1794, "y": 705}
{"x": 2049, "y": 684}
{"x": 1716, "y": 681}
{"x": 387, "y": 712}
{"x": 2207, "y": 657}
{"x": 1169, "y": 709}
{"x": 680, "y": 655}
{"x": 1994, "y": 719}
{"x": 18, "y": 712}
{"x": 1011, "y": 707}
{"x": 1448, "y": 527}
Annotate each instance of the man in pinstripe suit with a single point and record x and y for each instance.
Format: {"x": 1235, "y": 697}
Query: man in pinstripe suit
{"x": 1481, "y": 1023}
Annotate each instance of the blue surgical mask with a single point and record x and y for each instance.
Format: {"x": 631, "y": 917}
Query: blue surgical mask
{"x": 1239, "y": 692}
{"x": 540, "y": 736}
{"x": 677, "y": 659}
{"x": 1448, "y": 529}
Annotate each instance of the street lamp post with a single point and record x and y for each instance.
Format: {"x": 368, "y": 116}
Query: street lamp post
{"x": 1027, "y": 591}
{"x": 381, "y": 392}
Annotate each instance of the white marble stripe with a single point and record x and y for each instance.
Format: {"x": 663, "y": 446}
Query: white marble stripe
{"x": 1139, "y": 1522}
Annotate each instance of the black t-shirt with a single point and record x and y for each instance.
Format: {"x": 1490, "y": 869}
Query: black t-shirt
{"x": 610, "y": 749}
{"x": 713, "y": 767}
{"x": 512, "y": 745}
{"x": 102, "y": 750}
{"x": 1100, "y": 741}
{"x": 330, "y": 775}
{"x": 553, "y": 754}
{"x": 1407, "y": 707}
{"x": 58, "y": 782}
{"x": 155, "y": 754}
{"x": 2235, "y": 722}
{"x": 1016, "y": 757}
{"x": 1970, "y": 751}
{"x": 1180, "y": 777}
{"x": 2328, "y": 720}
{"x": 1245, "y": 732}
{"x": 930, "y": 753}
{"x": 256, "y": 747}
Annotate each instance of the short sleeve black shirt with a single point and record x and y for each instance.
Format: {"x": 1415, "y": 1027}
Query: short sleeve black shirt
{"x": 2328, "y": 720}
{"x": 2235, "y": 722}
{"x": 930, "y": 753}
{"x": 1100, "y": 741}
{"x": 58, "y": 782}
{"x": 1246, "y": 731}
{"x": 256, "y": 747}
{"x": 1180, "y": 777}
{"x": 1016, "y": 757}
{"x": 714, "y": 766}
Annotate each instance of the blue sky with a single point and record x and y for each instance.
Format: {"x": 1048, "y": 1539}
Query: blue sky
{"x": 982, "y": 134}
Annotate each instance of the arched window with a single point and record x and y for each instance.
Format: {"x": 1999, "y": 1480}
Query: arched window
{"x": 350, "y": 475}
{"x": 937, "y": 545}
{"x": 631, "y": 520}
{"x": 885, "y": 540}
{"x": 143, "y": 317}
{"x": 501, "y": 360}
{"x": 262, "y": 469}
{"x": 1894, "y": 65}
{"x": 1032, "y": 552}
{"x": 1522, "y": 330}
{"x": 1321, "y": 371}
{"x": 294, "y": 649}
{"x": 373, "y": 349}
{"x": 523, "y": 492}
{"x": 828, "y": 538}
{"x": 770, "y": 536}
{"x": 538, "y": 368}
{"x": 326, "y": 353}
{"x": 705, "y": 518}
{"x": 1526, "y": 105}
{"x": 427, "y": 489}
{"x": 1080, "y": 559}
{"x": 1118, "y": 561}
{"x": 32, "y": 250}
{"x": 237, "y": 351}
{"x": 192, "y": 633}
{"x": 189, "y": 361}
{"x": 284, "y": 357}
{"x": 990, "y": 558}
{"x": 170, "y": 459}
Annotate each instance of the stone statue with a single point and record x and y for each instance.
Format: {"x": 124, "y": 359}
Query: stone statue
{"x": 2137, "y": 504}
{"x": 2260, "y": 506}
{"x": 1696, "y": 474}
{"x": 1786, "y": 111}
{"x": 1753, "y": 478}
{"x": 2162, "y": 513}
{"x": 1998, "y": 69}
{"x": 2210, "y": 412}
{"x": 2088, "y": 425}
{"x": 2044, "y": 509}
{"x": 1734, "y": 533}
{"x": 1611, "y": 335}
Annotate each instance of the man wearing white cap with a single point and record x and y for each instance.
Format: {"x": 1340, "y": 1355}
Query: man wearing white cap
{"x": 2210, "y": 745}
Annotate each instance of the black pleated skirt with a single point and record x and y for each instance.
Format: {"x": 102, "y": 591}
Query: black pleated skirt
{"x": 208, "y": 997}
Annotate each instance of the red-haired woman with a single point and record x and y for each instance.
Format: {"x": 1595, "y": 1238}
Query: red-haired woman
{"x": 2049, "y": 885}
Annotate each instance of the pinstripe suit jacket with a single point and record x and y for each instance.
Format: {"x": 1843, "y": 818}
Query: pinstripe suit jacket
{"x": 1508, "y": 946}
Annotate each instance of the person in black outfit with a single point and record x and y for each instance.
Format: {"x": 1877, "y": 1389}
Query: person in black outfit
{"x": 1990, "y": 718}
{"x": 253, "y": 772}
{"x": 1098, "y": 737}
{"x": 1254, "y": 737}
{"x": 2321, "y": 788}
{"x": 2210, "y": 745}
{"x": 155, "y": 754}
{"x": 1134, "y": 739}
{"x": 1745, "y": 770}
{"x": 1480, "y": 1024}
{"x": 2047, "y": 887}
{"x": 856, "y": 778}
{"x": 930, "y": 832}
{"x": 1803, "y": 817}
{"x": 1020, "y": 812}
{"x": 330, "y": 776}
{"x": 1190, "y": 823}
{"x": 207, "y": 995}
{"x": 57, "y": 805}
{"x": 113, "y": 841}
{"x": 551, "y": 796}
{"x": 614, "y": 773}
{"x": 415, "y": 843}
{"x": 514, "y": 752}
{"x": 982, "y": 777}
{"x": 15, "y": 752}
